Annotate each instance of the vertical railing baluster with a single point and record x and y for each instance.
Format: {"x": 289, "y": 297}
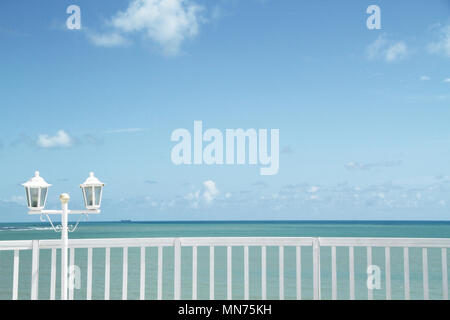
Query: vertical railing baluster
{"x": 211, "y": 273}
{"x": 316, "y": 269}
{"x": 387, "y": 254}
{"x": 53, "y": 275}
{"x": 16, "y": 275}
{"x": 35, "y": 270}
{"x": 72, "y": 275}
{"x": 107, "y": 272}
{"x": 333, "y": 274}
{"x": 125, "y": 273}
{"x": 194, "y": 273}
{"x": 89, "y": 275}
{"x": 425, "y": 273}
{"x": 263, "y": 273}
{"x": 444, "y": 274}
{"x": 177, "y": 269}
{"x": 298, "y": 268}
{"x": 229, "y": 273}
{"x": 406, "y": 271}
{"x": 246, "y": 289}
{"x": 369, "y": 263}
{"x": 351, "y": 256}
{"x": 281, "y": 271}
{"x": 142, "y": 275}
{"x": 160, "y": 265}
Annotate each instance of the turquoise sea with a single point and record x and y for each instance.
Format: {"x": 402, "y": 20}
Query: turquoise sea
{"x": 413, "y": 229}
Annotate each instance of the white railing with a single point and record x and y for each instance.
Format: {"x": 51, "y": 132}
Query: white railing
{"x": 260, "y": 244}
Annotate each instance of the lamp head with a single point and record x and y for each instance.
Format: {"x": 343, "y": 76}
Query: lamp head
{"x": 36, "y": 190}
{"x": 92, "y": 190}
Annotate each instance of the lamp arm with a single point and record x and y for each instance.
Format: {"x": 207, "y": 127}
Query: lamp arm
{"x": 79, "y": 220}
{"x": 42, "y": 218}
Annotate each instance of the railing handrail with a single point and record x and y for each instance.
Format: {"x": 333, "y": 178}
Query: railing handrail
{"x": 385, "y": 242}
{"x": 229, "y": 241}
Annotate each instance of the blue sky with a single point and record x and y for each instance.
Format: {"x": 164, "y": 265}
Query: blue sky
{"x": 363, "y": 114}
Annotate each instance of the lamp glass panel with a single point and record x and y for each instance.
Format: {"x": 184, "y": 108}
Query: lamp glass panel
{"x": 83, "y": 191}
{"x": 34, "y": 197}
{"x": 28, "y": 196}
{"x": 89, "y": 194}
{"x": 43, "y": 196}
{"x": 98, "y": 191}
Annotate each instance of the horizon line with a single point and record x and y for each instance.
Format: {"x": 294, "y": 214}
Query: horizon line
{"x": 234, "y": 221}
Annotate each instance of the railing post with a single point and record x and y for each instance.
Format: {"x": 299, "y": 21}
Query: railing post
{"x": 64, "y": 244}
{"x": 35, "y": 270}
{"x": 316, "y": 268}
{"x": 177, "y": 269}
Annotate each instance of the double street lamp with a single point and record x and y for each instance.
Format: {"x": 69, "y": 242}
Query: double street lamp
{"x": 36, "y": 190}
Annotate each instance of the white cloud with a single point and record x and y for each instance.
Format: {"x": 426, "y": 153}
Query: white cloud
{"x": 425, "y": 78}
{"x": 442, "y": 45}
{"x": 107, "y": 40}
{"x": 210, "y": 191}
{"x": 206, "y": 195}
{"x": 313, "y": 189}
{"x": 168, "y": 23}
{"x": 447, "y": 80}
{"x": 396, "y": 51}
{"x": 61, "y": 139}
{"x": 387, "y": 50}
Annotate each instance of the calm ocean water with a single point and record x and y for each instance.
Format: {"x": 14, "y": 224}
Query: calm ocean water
{"x": 23, "y": 231}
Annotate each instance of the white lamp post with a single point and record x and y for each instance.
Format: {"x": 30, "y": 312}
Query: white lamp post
{"x": 36, "y": 190}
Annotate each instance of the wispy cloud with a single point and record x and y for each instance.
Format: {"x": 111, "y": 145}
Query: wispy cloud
{"x": 260, "y": 184}
{"x": 387, "y": 50}
{"x": 286, "y": 150}
{"x": 396, "y": 51}
{"x": 60, "y": 140}
{"x": 167, "y": 23}
{"x": 108, "y": 40}
{"x": 431, "y": 193}
{"x": 13, "y": 200}
{"x": 446, "y": 80}
{"x": 126, "y": 130}
{"x": 425, "y": 78}
{"x": 353, "y": 165}
{"x": 442, "y": 44}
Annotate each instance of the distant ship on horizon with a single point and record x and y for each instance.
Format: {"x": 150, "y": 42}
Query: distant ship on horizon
{"x": 126, "y": 220}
